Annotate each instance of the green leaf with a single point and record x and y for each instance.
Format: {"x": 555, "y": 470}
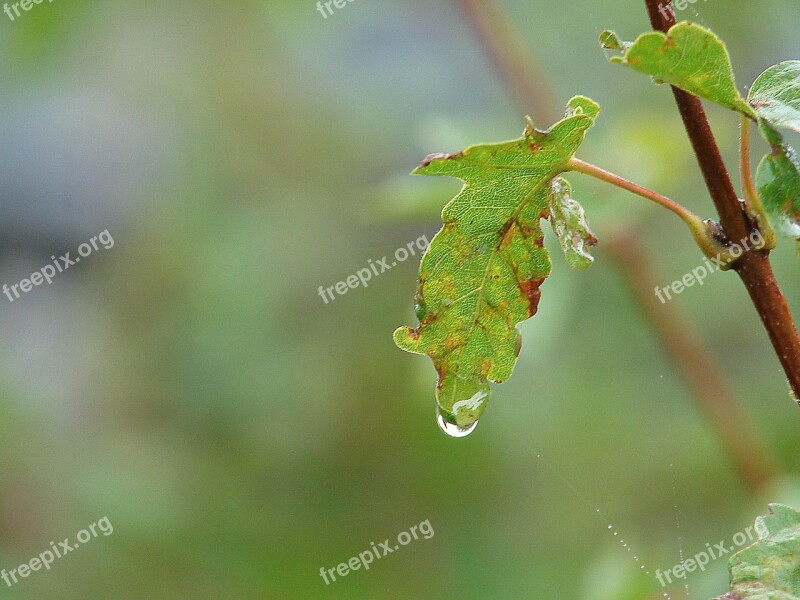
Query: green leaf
{"x": 778, "y": 183}
{"x": 770, "y": 568}
{"x": 775, "y": 95}
{"x": 689, "y": 57}
{"x": 610, "y": 41}
{"x": 481, "y": 274}
{"x": 569, "y": 223}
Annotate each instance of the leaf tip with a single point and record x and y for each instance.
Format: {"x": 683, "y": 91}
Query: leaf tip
{"x": 581, "y": 105}
{"x": 406, "y": 339}
{"x": 461, "y": 401}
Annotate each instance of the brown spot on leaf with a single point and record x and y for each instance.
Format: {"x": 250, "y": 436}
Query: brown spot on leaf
{"x": 413, "y": 333}
{"x": 506, "y": 234}
{"x": 436, "y": 156}
{"x": 451, "y": 342}
{"x": 530, "y": 287}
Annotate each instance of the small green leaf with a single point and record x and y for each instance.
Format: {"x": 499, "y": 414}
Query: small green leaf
{"x": 569, "y": 224}
{"x": 689, "y": 57}
{"x": 775, "y": 95}
{"x": 778, "y": 183}
{"x": 610, "y": 41}
{"x": 770, "y": 568}
{"x": 481, "y": 273}
{"x": 581, "y": 105}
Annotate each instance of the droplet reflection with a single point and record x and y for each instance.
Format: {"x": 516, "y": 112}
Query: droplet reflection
{"x": 452, "y": 429}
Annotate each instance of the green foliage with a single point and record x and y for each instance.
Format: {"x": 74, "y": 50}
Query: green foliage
{"x": 775, "y": 96}
{"x": 481, "y": 273}
{"x": 693, "y": 59}
{"x": 770, "y": 568}
{"x": 689, "y": 57}
{"x": 778, "y": 182}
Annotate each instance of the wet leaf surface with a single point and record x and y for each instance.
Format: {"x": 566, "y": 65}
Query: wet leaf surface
{"x": 482, "y": 272}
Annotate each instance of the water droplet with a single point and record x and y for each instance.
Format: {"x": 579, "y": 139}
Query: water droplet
{"x": 452, "y": 429}
{"x": 460, "y": 402}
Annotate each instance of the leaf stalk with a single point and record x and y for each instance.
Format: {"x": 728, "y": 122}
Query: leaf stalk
{"x": 703, "y": 232}
{"x": 751, "y": 195}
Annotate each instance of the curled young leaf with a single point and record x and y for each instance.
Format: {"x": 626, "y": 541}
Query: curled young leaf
{"x": 690, "y": 57}
{"x": 481, "y": 273}
{"x": 570, "y": 226}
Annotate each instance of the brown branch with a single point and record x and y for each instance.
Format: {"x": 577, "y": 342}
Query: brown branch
{"x": 506, "y": 49}
{"x": 694, "y": 361}
{"x": 753, "y": 267}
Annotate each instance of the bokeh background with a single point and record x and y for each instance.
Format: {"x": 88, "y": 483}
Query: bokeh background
{"x": 240, "y": 434}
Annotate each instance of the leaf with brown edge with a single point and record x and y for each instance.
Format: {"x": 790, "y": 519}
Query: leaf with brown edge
{"x": 689, "y": 57}
{"x": 481, "y": 273}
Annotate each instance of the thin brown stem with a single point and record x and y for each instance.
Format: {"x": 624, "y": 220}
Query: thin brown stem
{"x": 580, "y": 166}
{"x": 710, "y": 247}
{"x": 753, "y": 267}
{"x": 506, "y": 49}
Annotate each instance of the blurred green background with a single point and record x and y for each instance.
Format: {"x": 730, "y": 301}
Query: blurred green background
{"x": 239, "y": 433}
